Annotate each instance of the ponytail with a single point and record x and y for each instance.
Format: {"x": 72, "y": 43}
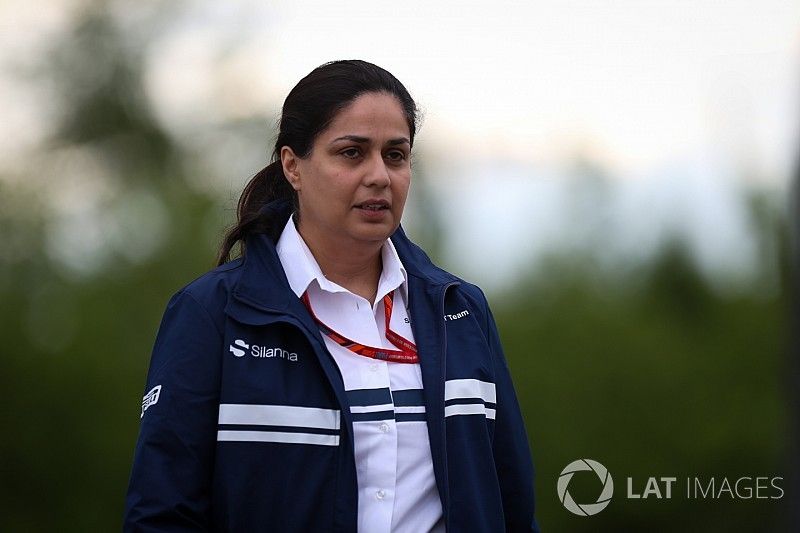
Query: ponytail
{"x": 267, "y": 185}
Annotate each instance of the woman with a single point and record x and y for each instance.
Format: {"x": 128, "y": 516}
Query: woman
{"x": 331, "y": 378}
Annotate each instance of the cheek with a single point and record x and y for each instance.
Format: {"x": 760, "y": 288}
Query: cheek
{"x": 401, "y": 186}
{"x": 327, "y": 184}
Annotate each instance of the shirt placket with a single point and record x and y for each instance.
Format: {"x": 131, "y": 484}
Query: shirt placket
{"x": 375, "y": 440}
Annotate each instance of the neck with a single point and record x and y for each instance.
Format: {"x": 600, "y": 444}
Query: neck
{"x": 357, "y": 268}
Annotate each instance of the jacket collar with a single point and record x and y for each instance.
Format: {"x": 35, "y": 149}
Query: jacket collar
{"x": 263, "y": 285}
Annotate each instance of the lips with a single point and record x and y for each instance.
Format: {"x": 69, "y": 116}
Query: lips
{"x": 373, "y": 205}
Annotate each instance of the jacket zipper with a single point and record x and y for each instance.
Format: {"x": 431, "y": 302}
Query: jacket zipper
{"x": 443, "y": 428}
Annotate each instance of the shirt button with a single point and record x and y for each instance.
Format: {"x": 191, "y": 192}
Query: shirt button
{"x": 381, "y": 494}
{"x": 373, "y": 367}
{"x": 384, "y": 427}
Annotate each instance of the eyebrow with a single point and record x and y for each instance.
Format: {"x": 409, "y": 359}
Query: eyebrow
{"x": 359, "y": 139}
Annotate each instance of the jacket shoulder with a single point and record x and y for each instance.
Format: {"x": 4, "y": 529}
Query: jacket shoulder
{"x": 471, "y": 291}
{"x": 477, "y": 300}
{"x": 212, "y": 289}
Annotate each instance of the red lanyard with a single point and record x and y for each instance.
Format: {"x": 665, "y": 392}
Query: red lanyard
{"x": 406, "y": 354}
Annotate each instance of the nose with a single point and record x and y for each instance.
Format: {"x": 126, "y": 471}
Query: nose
{"x": 377, "y": 172}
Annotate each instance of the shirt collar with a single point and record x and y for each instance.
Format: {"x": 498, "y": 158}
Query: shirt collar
{"x": 302, "y": 268}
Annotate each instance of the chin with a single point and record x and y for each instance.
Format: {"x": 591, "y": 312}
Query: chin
{"x": 377, "y": 233}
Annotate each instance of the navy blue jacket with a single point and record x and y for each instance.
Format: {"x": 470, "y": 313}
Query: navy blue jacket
{"x": 184, "y": 479}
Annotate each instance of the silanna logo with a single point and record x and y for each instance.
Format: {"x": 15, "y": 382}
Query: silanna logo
{"x": 240, "y": 348}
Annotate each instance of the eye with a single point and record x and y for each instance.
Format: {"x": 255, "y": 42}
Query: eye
{"x": 396, "y": 156}
{"x": 350, "y": 153}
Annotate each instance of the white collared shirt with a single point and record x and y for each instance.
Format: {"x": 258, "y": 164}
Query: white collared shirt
{"x": 396, "y": 485}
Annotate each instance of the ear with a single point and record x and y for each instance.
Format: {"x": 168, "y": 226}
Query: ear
{"x": 290, "y": 163}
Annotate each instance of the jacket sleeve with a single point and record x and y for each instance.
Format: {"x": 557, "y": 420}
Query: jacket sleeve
{"x": 512, "y": 454}
{"x": 170, "y": 480}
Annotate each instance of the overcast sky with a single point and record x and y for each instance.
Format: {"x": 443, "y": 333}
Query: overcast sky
{"x": 636, "y": 83}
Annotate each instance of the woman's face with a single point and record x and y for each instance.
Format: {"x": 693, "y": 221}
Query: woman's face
{"x": 353, "y": 185}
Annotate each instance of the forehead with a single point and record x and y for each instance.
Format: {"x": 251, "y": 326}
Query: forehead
{"x": 370, "y": 115}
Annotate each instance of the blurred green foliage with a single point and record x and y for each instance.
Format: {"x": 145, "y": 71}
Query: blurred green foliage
{"x": 652, "y": 373}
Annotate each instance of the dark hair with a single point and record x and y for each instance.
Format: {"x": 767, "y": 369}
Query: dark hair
{"x": 307, "y": 111}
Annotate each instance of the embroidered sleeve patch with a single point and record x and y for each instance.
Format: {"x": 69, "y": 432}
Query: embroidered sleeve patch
{"x": 151, "y": 398}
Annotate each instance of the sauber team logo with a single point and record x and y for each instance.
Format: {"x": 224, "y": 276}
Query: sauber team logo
{"x": 239, "y": 348}
{"x": 151, "y": 398}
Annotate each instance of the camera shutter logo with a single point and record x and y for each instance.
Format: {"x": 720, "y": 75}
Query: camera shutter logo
{"x": 585, "y": 509}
